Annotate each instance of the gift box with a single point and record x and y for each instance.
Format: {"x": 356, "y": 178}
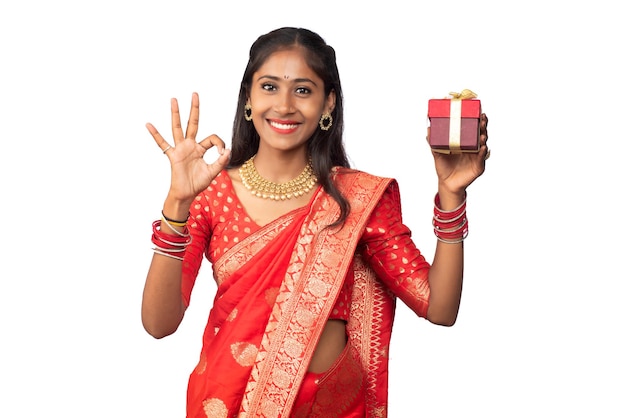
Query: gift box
{"x": 455, "y": 123}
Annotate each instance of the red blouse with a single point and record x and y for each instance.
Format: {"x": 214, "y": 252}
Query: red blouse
{"x": 219, "y": 222}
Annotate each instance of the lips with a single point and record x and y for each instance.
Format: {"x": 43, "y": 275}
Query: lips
{"x": 284, "y": 127}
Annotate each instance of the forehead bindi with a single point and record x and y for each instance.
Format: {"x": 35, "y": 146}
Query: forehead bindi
{"x": 288, "y": 64}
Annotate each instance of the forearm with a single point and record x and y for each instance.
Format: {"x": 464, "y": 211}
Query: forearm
{"x": 176, "y": 209}
{"x": 446, "y": 273}
{"x": 446, "y": 281}
{"x": 163, "y": 306}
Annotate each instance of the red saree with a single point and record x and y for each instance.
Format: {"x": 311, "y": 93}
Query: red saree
{"x": 277, "y": 285}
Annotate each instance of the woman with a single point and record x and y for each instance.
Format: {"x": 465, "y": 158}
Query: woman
{"x": 308, "y": 255}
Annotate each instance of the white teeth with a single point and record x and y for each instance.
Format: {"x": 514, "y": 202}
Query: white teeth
{"x": 282, "y": 125}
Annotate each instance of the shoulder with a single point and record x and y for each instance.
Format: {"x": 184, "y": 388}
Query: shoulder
{"x": 350, "y": 173}
{"x": 345, "y": 177}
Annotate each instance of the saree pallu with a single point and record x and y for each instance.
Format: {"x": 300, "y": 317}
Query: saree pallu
{"x": 277, "y": 285}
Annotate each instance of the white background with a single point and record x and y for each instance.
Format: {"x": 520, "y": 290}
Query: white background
{"x": 541, "y": 327}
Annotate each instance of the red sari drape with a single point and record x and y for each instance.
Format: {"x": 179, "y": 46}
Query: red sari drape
{"x": 277, "y": 285}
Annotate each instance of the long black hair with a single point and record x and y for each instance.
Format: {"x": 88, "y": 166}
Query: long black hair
{"x": 325, "y": 148}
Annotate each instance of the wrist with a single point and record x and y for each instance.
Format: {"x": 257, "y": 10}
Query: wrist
{"x": 176, "y": 209}
{"x": 450, "y": 200}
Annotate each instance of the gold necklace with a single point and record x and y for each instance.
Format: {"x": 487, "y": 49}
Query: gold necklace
{"x": 266, "y": 189}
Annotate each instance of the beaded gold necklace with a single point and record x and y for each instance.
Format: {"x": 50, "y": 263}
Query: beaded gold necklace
{"x": 266, "y": 189}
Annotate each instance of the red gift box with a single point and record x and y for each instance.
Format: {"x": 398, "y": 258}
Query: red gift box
{"x": 455, "y": 123}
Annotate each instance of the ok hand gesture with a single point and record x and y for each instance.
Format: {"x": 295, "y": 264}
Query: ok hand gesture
{"x": 190, "y": 174}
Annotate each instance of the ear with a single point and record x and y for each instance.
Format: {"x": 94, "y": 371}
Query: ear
{"x": 330, "y": 102}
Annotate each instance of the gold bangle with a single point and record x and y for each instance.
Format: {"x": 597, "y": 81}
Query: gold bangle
{"x": 174, "y": 222}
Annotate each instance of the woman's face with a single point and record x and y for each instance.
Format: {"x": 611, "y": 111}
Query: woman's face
{"x": 287, "y": 100}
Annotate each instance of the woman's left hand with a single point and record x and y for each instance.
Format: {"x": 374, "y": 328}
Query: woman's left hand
{"x": 457, "y": 171}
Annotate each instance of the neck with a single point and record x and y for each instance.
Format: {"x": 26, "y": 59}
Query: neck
{"x": 280, "y": 167}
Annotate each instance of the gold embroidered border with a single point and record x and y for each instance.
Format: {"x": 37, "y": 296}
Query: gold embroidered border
{"x": 372, "y": 305}
{"x": 314, "y": 279}
{"x": 247, "y": 248}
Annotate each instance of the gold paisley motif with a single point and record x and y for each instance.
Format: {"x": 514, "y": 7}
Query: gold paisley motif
{"x": 201, "y": 366}
{"x": 270, "y": 409}
{"x": 215, "y": 408}
{"x": 280, "y": 378}
{"x": 318, "y": 288}
{"x": 305, "y": 318}
{"x": 232, "y": 315}
{"x": 293, "y": 348}
{"x": 244, "y": 353}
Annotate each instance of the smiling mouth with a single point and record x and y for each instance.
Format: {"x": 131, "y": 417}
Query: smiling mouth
{"x": 283, "y": 126}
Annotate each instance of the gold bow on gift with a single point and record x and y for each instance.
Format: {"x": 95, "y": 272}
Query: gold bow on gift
{"x": 463, "y": 95}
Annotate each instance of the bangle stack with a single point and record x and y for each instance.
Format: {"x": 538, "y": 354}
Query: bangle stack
{"x": 451, "y": 226}
{"x": 170, "y": 245}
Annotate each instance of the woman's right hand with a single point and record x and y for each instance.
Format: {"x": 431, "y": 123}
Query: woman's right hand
{"x": 190, "y": 174}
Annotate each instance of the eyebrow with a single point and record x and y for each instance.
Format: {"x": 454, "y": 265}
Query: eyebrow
{"x": 295, "y": 80}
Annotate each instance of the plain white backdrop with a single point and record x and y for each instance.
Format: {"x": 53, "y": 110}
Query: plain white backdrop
{"x": 541, "y": 326}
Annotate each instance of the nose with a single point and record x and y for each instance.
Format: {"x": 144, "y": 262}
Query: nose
{"x": 284, "y": 103}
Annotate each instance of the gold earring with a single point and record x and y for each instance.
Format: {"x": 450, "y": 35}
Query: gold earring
{"x": 326, "y": 121}
{"x": 247, "y": 112}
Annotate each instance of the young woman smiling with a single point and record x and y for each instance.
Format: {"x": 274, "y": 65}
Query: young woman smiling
{"x": 308, "y": 255}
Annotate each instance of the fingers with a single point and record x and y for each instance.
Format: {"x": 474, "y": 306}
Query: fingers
{"x": 483, "y": 125}
{"x": 484, "y": 149}
{"x": 194, "y": 117}
{"x": 212, "y": 141}
{"x": 223, "y": 159}
{"x": 177, "y": 130}
{"x": 160, "y": 141}
{"x": 224, "y": 154}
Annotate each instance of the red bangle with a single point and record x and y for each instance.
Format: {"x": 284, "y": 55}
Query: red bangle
{"x": 170, "y": 245}
{"x": 450, "y": 226}
{"x": 457, "y": 233}
{"x": 169, "y": 241}
{"x": 449, "y": 215}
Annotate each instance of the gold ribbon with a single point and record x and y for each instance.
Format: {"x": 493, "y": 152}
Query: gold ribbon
{"x": 464, "y": 94}
{"x": 454, "y": 139}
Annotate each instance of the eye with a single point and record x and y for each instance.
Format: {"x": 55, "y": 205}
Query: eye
{"x": 268, "y": 87}
{"x": 303, "y": 90}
